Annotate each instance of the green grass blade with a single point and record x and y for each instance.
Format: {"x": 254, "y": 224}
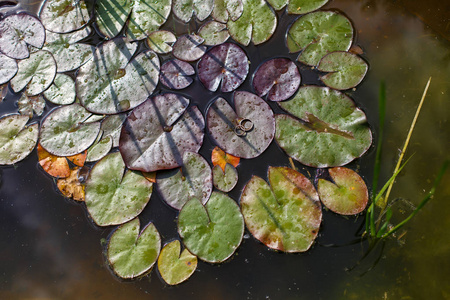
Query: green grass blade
{"x": 381, "y": 117}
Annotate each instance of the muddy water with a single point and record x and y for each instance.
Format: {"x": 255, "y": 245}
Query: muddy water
{"x": 50, "y": 250}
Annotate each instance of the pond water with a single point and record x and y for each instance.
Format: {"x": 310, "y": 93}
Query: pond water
{"x": 51, "y": 250}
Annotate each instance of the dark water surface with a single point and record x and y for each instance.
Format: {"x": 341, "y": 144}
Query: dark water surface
{"x": 50, "y": 250}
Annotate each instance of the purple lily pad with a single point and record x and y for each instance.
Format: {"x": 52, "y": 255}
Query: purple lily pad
{"x": 245, "y": 133}
{"x": 175, "y": 74}
{"x": 189, "y": 47}
{"x": 226, "y": 63}
{"x": 277, "y": 78}
{"x": 158, "y": 132}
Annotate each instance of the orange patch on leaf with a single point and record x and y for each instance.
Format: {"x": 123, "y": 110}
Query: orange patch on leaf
{"x": 78, "y": 159}
{"x": 71, "y": 187}
{"x": 219, "y": 157}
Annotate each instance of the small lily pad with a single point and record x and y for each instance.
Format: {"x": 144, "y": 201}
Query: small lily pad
{"x": 113, "y": 195}
{"x": 64, "y": 16}
{"x": 212, "y": 232}
{"x": 277, "y": 78}
{"x": 132, "y": 253}
{"x": 225, "y": 10}
{"x": 158, "y": 133}
{"x": 99, "y": 149}
{"x": 160, "y": 41}
{"x": 16, "y": 139}
{"x": 175, "y": 74}
{"x": 226, "y": 180}
{"x": 346, "y": 195}
{"x": 227, "y": 64}
{"x": 189, "y": 47}
{"x": 8, "y": 68}
{"x": 193, "y": 180}
{"x": 17, "y": 32}
{"x": 214, "y": 33}
{"x": 284, "y": 216}
{"x": 173, "y": 267}
{"x": 345, "y": 70}
{"x": 62, "y": 90}
{"x": 245, "y": 133}
{"x": 30, "y": 105}
{"x": 221, "y": 158}
{"x": 298, "y": 7}
{"x": 184, "y": 9}
{"x": 317, "y": 34}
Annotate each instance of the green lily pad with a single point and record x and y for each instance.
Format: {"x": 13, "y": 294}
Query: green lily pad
{"x": 189, "y": 47}
{"x": 132, "y": 254}
{"x": 112, "y": 126}
{"x": 346, "y": 195}
{"x": 113, "y": 195}
{"x": 257, "y": 23}
{"x": 184, "y": 9}
{"x": 284, "y": 216}
{"x": 193, "y": 180}
{"x": 100, "y": 148}
{"x": 214, "y": 231}
{"x": 111, "y": 15}
{"x": 226, "y": 180}
{"x": 16, "y": 139}
{"x": 330, "y": 129}
{"x": 173, "y": 267}
{"x": 112, "y": 83}
{"x": 317, "y": 34}
{"x": 8, "y": 68}
{"x": 36, "y": 73}
{"x": 345, "y": 70}
{"x": 214, "y": 33}
{"x": 29, "y": 105}
{"x": 65, "y": 132}
{"x": 158, "y": 133}
{"x": 298, "y": 7}
{"x": 64, "y": 16}
{"x": 160, "y": 41}
{"x": 62, "y": 91}
{"x": 225, "y": 10}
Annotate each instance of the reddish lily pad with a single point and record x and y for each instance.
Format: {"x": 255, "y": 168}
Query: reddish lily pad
{"x": 227, "y": 64}
{"x": 346, "y": 195}
{"x": 189, "y": 47}
{"x": 64, "y": 16}
{"x": 8, "y": 68}
{"x": 173, "y": 267}
{"x": 175, "y": 74}
{"x": 225, "y": 180}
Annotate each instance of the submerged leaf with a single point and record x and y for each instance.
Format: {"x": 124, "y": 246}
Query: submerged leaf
{"x": 173, "y": 267}
{"x": 214, "y": 33}
{"x": 29, "y": 105}
{"x": 175, "y": 74}
{"x": 189, "y": 47}
{"x": 220, "y": 158}
{"x": 227, "y": 9}
{"x": 184, "y": 9}
{"x": 64, "y": 16}
{"x": 71, "y": 187}
{"x": 161, "y": 41}
{"x": 8, "y": 68}
{"x": 226, "y": 180}
{"x": 62, "y": 91}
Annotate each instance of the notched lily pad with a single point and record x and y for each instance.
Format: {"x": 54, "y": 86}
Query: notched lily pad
{"x": 189, "y": 47}
{"x": 62, "y": 90}
{"x": 214, "y": 231}
{"x": 193, "y": 180}
{"x": 184, "y": 9}
{"x": 175, "y": 267}
{"x": 214, "y": 33}
{"x": 160, "y": 41}
{"x": 113, "y": 195}
{"x": 175, "y": 74}
{"x": 347, "y": 195}
{"x": 64, "y": 16}
{"x": 226, "y": 180}
{"x": 227, "y": 9}
{"x": 277, "y": 78}
{"x": 8, "y": 68}
{"x": 227, "y": 64}
{"x": 284, "y": 216}
{"x": 132, "y": 253}
{"x": 245, "y": 133}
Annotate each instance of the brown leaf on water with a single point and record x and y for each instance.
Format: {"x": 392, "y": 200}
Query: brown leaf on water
{"x": 55, "y": 166}
{"x": 78, "y": 159}
{"x": 220, "y": 158}
{"x": 71, "y": 187}
{"x": 150, "y": 176}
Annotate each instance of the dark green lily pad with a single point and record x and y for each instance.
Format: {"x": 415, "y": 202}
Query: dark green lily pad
{"x": 226, "y": 180}
{"x": 184, "y": 9}
{"x": 173, "y": 267}
{"x": 330, "y": 129}
{"x": 175, "y": 74}
{"x": 212, "y": 232}
{"x": 64, "y": 16}
{"x": 346, "y": 195}
{"x": 193, "y": 180}
{"x": 345, "y": 70}
{"x": 30, "y": 105}
{"x": 160, "y": 41}
{"x": 111, "y": 82}
{"x": 62, "y": 91}
{"x": 36, "y": 73}
{"x": 64, "y": 131}
{"x": 298, "y": 7}
{"x": 257, "y": 23}
{"x": 113, "y": 195}
{"x": 189, "y": 47}
{"x": 317, "y": 34}
{"x": 16, "y": 139}
{"x": 8, "y": 68}
{"x": 214, "y": 33}
{"x": 225, "y": 10}
{"x": 284, "y": 216}
{"x": 254, "y": 112}
{"x": 158, "y": 133}
{"x": 132, "y": 254}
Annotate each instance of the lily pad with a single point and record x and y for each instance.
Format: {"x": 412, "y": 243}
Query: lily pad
{"x": 112, "y": 83}
{"x": 16, "y": 139}
{"x": 64, "y": 16}
{"x": 175, "y": 74}
{"x": 277, "y": 78}
{"x": 8, "y": 68}
{"x": 71, "y": 187}
{"x": 346, "y": 195}
{"x": 62, "y": 91}
{"x": 30, "y": 105}
{"x": 99, "y": 149}
{"x": 345, "y": 70}
{"x": 184, "y": 9}
{"x": 298, "y": 7}
{"x": 257, "y": 23}
{"x": 160, "y": 41}
{"x": 173, "y": 267}
{"x": 214, "y": 33}
{"x": 226, "y": 63}
{"x": 212, "y": 232}
{"x": 317, "y": 34}
{"x": 113, "y": 195}
{"x": 193, "y": 180}
{"x": 189, "y": 47}
{"x": 158, "y": 133}
{"x": 227, "y": 9}
{"x": 112, "y": 126}
{"x": 132, "y": 254}
{"x": 226, "y": 180}
{"x": 17, "y": 32}
{"x": 36, "y": 73}
{"x": 284, "y": 216}
{"x": 255, "y": 117}
{"x": 330, "y": 130}
{"x": 64, "y": 131}
{"x": 220, "y": 158}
